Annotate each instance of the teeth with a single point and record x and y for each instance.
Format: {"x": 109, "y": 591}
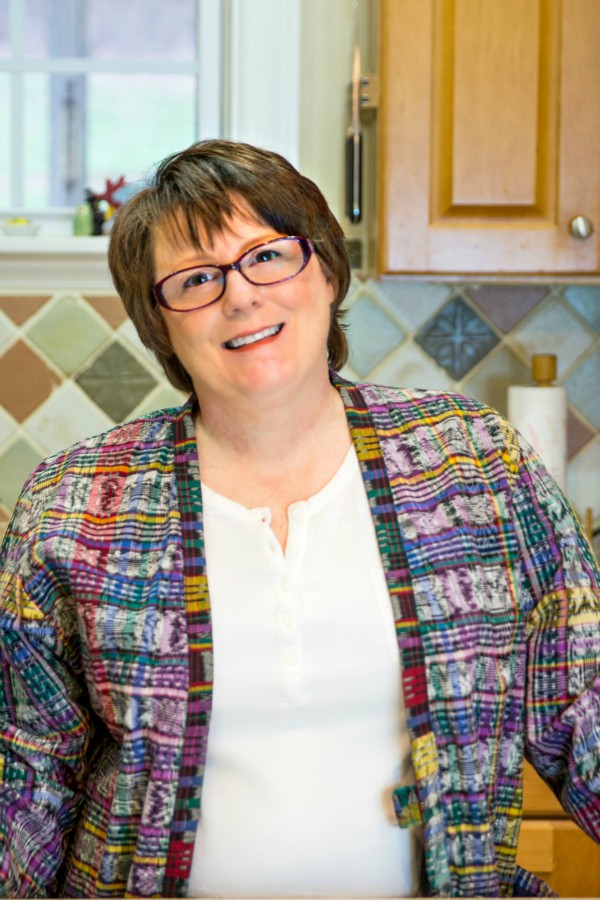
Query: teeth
{"x": 234, "y": 343}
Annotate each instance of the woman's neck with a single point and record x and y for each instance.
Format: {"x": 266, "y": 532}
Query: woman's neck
{"x": 270, "y": 432}
{"x": 273, "y": 455}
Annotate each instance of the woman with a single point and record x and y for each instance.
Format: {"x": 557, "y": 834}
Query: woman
{"x": 401, "y": 601}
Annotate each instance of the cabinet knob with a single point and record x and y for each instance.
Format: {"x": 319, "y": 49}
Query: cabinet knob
{"x": 581, "y": 227}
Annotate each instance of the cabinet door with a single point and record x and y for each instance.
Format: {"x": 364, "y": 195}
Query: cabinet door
{"x": 560, "y": 853}
{"x": 489, "y": 136}
{"x": 554, "y": 847}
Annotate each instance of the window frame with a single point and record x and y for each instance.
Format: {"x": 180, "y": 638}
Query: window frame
{"x": 207, "y": 70}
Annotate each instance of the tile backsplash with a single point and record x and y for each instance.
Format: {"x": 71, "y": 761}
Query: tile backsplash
{"x": 71, "y": 364}
{"x": 480, "y": 338}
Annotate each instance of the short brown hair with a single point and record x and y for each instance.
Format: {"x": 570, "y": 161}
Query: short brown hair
{"x": 199, "y": 189}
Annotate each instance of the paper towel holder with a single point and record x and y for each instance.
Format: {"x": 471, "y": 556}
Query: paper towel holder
{"x": 543, "y": 368}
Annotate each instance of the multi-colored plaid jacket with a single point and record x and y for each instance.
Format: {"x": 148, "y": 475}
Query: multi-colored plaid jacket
{"x": 106, "y": 648}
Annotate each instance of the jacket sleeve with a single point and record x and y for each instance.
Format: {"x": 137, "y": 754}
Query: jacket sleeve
{"x": 560, "y": 575}
{"x": 44, "y": 723}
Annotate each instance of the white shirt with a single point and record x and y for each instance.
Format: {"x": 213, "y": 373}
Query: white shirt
{"x": 308, "y": 736}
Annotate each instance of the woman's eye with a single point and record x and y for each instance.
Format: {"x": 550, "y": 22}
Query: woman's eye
{"x": 263, "y": 256}
{"x": 197, "y": 279}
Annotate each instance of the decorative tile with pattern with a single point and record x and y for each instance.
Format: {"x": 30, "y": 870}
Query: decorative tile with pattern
{"x": 457, "y": 338}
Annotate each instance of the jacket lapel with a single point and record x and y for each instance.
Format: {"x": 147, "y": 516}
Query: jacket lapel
{"x": 200, "y": 656}
{"x": 422, "y": 804}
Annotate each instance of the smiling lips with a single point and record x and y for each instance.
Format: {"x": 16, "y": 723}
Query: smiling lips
{"x": 248, "y": 339}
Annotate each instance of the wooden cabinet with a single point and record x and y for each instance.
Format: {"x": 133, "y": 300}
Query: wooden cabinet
{"x": 554, "y": 847}
{"x": 488, "y": 136}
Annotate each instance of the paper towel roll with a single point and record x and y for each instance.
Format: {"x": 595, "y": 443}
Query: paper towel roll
{"x": 540, "y": 414}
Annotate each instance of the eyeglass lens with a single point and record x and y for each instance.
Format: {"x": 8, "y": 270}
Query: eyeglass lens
{"x": 268, "y": 263}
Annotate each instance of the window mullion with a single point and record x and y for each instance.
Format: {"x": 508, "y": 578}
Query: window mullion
{"x": 54, "y": 140}
{"x": 67, "y": 105}
{"x": 17, "y": 41}
{"x": 16, "y": 139}
{"x": 209, "y": 68}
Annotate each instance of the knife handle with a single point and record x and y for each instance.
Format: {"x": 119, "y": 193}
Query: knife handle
{"x": 354, "y": 177}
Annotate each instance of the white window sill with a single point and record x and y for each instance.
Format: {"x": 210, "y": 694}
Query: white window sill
{"x": 64, "y": 245}
{"x": 54, "y": 262}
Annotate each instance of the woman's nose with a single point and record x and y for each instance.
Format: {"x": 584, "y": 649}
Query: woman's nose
{"x": 239, "y": 294}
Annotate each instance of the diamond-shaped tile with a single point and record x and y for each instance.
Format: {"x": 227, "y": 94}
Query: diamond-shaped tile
{"x": 457, "y": 338}
{"x": 68, "y": 332}
{"x": 19, "y": 309}
{"x": 585, "y": 298}
{"x": 116, "y": 382}
{"x": 409, "y": 367}
{"x": 16, "y": 462}
{"x": 7, "y": 427}
{"x": 582, "y": 387}
{"x": 583, "y": 479}
{"x": 7, "y": 331}
{"x": 110, "y": 308}
{"x": 128, "y": 335}
{"x": 25, "y": 380}
{"x": 491, "y": 381}
{"x": 413, "y": 302}
{"x": 578, "y": 434}
{"x": 372, "y": 334}
{"x": 67, "y": 416}
{"x": 4, "y": 519}
{"x": 554, "y": 329}
{"x": 506, "y": 304}
{"x": 163, "y": 397}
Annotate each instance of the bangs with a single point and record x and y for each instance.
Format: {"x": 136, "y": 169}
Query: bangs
{"x": 191, "y": 225}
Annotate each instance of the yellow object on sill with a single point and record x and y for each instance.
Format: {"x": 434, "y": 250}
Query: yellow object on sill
{"x": 20, "y": 226}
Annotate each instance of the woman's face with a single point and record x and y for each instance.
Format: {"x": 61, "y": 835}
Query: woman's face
{"x": 290, "y": 321}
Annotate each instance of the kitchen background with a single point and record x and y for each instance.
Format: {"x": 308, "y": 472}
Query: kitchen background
{"x": 71, "y": 364}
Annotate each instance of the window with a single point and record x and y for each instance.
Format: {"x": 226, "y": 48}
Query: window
{"x": 92, "y": 90}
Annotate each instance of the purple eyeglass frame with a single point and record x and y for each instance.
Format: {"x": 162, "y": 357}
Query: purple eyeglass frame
{"x": 307, "y": 251}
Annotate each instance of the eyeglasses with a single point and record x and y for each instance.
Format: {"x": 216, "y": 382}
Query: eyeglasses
{"x": 268, "y": 263}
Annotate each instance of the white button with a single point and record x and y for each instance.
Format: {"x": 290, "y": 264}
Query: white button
{"x": 263, "y": 514}
{"x": 291, "y": 657}
{"x": 287, "y": 619}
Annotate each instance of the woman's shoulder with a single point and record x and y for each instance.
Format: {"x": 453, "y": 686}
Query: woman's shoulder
{"x": 102, "y": 470}
{"x": 124, "y": 445}
{"x": 454, "y": 418}
{"x": 420, "y": 399}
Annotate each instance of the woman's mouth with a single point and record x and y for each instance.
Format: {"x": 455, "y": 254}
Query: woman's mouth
{"x": 247, "y": 339}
